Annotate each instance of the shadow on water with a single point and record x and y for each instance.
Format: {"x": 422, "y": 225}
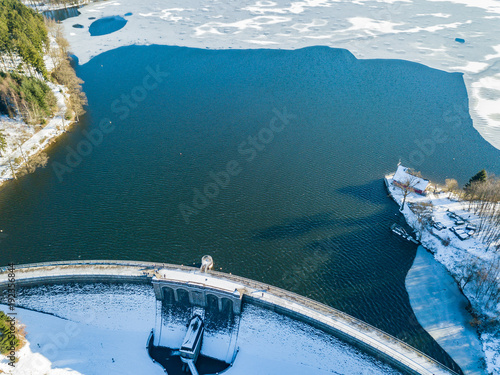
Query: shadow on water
{"x": 296, "y": 227}
{"x": 366, "y": 191}
{"x": 303, "y": 225}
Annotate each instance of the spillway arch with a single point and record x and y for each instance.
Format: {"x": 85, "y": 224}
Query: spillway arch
{"x": 206, "y": 284}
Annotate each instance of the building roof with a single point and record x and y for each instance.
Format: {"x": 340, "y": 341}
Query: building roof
{"x": 403, "y": 177}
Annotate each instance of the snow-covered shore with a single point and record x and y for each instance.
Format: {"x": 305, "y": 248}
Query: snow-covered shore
{"x": 422, "y": 31}
{"x": 26, "y": 139}
{"x": 435, "y": 297}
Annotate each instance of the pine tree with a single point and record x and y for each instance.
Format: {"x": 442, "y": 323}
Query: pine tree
{"x": 479, "y": 177}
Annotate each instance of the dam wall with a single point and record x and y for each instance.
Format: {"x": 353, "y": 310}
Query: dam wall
{"x": 370, "y": 339}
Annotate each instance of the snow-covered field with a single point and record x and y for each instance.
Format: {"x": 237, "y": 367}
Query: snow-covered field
{"x": 103, "y": 329}
{"x": 447, "y": 311}
{"x": 422, "y": 31}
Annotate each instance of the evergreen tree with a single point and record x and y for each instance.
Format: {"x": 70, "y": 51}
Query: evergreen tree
{"x": 22, "y": 34}
{"x": 479, "y": 177}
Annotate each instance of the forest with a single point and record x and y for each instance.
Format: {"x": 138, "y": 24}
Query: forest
{"x": 23, "y": 38}
{"x": 24, "y": 41}
{"x": 34, "y": 68}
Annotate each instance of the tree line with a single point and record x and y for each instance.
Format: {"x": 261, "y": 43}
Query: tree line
{"x": 482, "y": 194}
{"x": 29, "y": 97}
{"x": 63, "y": 73}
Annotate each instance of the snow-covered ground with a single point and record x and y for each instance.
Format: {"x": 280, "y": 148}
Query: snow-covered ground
{"x": 454, "y": 257}
{"x": 422, "y": 31}
{"x": 103, "y": 329}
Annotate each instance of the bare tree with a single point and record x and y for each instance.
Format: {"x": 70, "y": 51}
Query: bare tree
{"x": 451, "y": 185}
{"x": 466, "y": 272}
{"x": 36, "y": 161}
{"x": 12, "y": 169}
{"x": 408, "y": 185}
{"x": 423, "y": 212}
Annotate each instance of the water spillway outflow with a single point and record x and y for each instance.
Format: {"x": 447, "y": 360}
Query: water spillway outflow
{"x": 275, "y": 157}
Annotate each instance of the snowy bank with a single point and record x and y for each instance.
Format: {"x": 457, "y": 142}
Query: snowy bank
{"x": 454, "y": 254}
{"x": 23, "y": 139}
{"x": 450, "y": 35}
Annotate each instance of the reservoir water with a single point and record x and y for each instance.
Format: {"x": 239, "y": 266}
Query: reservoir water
{"x": 288, "y": 149}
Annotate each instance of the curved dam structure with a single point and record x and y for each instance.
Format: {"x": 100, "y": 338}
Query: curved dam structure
{"x": 230, "y": 291}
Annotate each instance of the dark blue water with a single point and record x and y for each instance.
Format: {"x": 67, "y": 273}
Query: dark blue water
{"x": 300, "y": 204}
{"x": 107, "y": 25}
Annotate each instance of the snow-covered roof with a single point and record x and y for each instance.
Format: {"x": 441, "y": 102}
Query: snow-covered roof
{"x": 403, "y": 177}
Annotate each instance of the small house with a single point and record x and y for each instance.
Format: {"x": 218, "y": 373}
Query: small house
{"x": 403, "y": 179}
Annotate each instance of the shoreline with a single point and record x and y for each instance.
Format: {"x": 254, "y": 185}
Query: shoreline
{"x": 39, "y": 140}
{"x": 433, "y": 289}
